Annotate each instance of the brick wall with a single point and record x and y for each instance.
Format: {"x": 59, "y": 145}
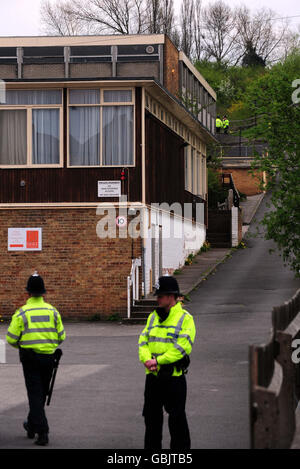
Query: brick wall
{"x": 44, "y": 71}
{"x": 8, "y": 71}
{"x": 244, "y": 181}
{"x": 91, "y": 70}
{"x": 84, "y": 275}
{"x": 136, "y": 69}
{"x": 171, "y": 67}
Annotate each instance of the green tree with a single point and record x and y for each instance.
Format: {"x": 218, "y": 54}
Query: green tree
{"x": 273, "y": 98}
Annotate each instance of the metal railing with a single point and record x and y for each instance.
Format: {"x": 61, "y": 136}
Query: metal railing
{"x": 242, "y": 151}
{"x": 133, "y": 284}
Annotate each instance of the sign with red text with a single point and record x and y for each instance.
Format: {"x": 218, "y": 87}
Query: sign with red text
{"x": 24, "y": 239}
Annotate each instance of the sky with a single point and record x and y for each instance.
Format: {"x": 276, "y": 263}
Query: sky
{"x": 22, "y": 17}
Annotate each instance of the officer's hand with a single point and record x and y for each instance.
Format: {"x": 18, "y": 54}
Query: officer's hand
{"x": 151, "y": 364}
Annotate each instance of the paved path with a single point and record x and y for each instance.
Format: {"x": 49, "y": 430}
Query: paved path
{"x": 98, "y": 399}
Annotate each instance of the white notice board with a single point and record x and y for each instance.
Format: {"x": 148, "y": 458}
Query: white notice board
{"x": 24, "y": 239}
{"x": 109, "y": 188}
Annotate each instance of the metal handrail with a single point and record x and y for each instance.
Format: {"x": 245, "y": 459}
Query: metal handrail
{"x": 133, "y": 283}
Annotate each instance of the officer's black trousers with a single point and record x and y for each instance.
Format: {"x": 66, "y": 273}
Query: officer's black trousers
{"x": 168, "y": 393}
{"x": 37, "y": 368}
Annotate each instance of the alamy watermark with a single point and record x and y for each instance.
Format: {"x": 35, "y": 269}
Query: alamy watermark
{"x": 2, "y": 92}
{"x": 128, "y": 220}
{"x": 296, "y": 93}
{"x": 296, "y": 353}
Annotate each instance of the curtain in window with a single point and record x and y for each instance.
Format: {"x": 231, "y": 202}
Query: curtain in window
{"x": 13, "y": 137}
{"x": 84, "y": 96}
{"x": 117, "y": 137}
{"x": 84, "y": 136}
{"x": 117, "y": 96}
{"x": 27, "y": 97}
{"x": 45, "y": 136}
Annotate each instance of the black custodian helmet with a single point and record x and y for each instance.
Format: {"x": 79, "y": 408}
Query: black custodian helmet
{"x": 35, "y": 285}
{"x": 167, "y": 285}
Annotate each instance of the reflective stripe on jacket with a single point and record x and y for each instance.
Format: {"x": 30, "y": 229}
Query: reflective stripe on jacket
{"x": 168, "y": 341}
{"x": 37, "y": 325}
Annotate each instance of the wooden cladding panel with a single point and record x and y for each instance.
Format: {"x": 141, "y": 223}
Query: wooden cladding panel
{"x": 164, "y": 163}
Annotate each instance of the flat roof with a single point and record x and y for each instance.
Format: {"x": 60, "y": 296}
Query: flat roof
{"x": 113, "y": 39}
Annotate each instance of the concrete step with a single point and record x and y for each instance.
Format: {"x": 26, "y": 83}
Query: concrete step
{"x": 140, "y": 308}
{"x": 146, "y": 302}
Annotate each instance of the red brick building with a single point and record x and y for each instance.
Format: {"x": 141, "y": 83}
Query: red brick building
{"x": 81, "y": 114}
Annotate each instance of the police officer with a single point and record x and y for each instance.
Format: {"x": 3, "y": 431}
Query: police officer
{"x": 225, "y": 124}
{"x": 36, "y": 329}
{"x": 219, "y": 124}
{"x": 164, "y": 348}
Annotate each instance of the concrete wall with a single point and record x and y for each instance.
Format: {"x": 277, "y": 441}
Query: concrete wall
{"x": 182, "y": 239}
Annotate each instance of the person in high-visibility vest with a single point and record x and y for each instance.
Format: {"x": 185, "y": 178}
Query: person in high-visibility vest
{"x": 36, "y": 329}
{"x": 164, "y": 348}
{"x": 225, "y": 124}
{"x": 219, "y": 124}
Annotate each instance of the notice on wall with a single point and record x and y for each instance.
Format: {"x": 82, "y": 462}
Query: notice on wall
{"x": 24, "y": 239}
{"x": 109, "y": 188}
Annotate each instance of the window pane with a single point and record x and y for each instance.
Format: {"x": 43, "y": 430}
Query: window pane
{"x": 117, "y": 146}
{"x": 186, "y": 168}
{"x": 117, "y": 96}
{"x": 84, "y": 136}
{"x": 27, "y": 97}
{"x": 45, "y": 136}
{"x": 13, "y": 137}
{"x": 192, "y": 170}
{"x": 199, "y": 174}
{"x": 84, "y": 96}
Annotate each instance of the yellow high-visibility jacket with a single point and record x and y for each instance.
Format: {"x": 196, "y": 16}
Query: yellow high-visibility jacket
{"x": 168, "y": 341}
{"x": 36, "y": 325}
{"x": 219, "y": 123}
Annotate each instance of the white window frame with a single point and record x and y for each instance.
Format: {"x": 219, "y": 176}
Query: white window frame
{"x": 101, "y": 105}
{"x": 28, "y": 108}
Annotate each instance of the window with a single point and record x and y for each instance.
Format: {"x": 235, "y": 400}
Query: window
{"x": 30, "y": 128}
{"x": 13, "y": 137}
{"x": 199, "y": 173}
{"x": 45, "y": 136}
{"x": 117, "y": 131}
{"x": 187, "y": 168}
{"x": 204, "y": 176}
{"x": 84, "y": 136}
{"x": 101, "y": 127}
{"x": 119, "y": 96}
{"x": 192, "y": 186}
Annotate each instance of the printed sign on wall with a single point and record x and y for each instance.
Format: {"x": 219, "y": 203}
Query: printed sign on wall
{"x": 24, "y": 239}
{"x": 109, "y": 188}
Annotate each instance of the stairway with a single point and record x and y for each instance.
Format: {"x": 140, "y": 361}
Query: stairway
{"x": 141, "y": 310}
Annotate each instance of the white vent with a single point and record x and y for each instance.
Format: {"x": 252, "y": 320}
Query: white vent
{"x": 149, "y": 49}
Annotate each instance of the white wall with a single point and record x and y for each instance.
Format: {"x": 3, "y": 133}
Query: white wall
{"x": 180, "y": 237}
